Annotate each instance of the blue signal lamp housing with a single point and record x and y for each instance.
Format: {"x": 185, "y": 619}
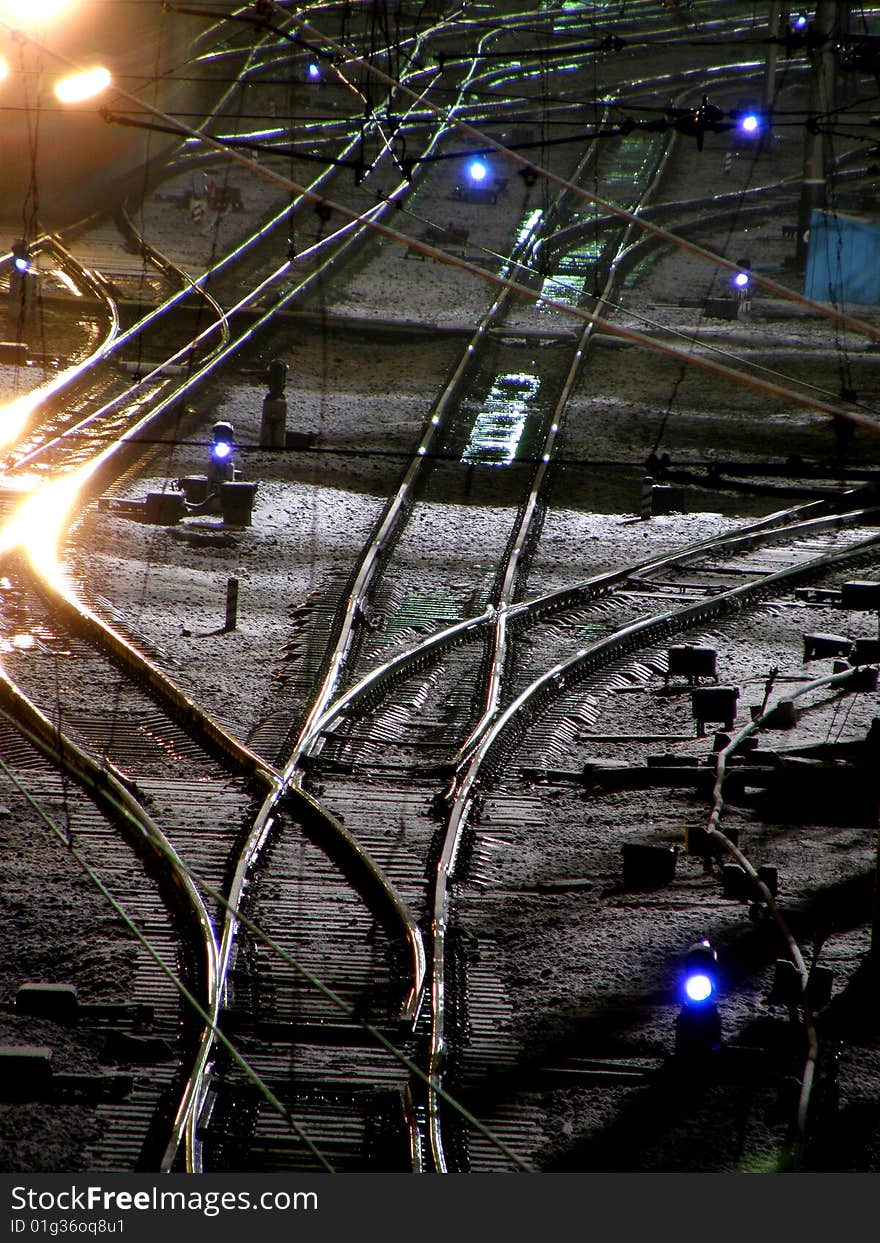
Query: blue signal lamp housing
{"x": 698, "y": 1025}
{"x": 21, "y": 257}
{"x": 699, "y": 978}
{"x": 221, "y": 448}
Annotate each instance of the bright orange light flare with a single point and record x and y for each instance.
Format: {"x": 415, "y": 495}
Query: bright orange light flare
{"x": 15, "y": 415}
{"x": 84, "y": 85}
{"x": 29, "y": 13}
{"x": 37, "y": 526}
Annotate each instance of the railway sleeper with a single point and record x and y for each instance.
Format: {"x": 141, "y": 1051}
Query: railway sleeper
{"x": 356, "y": 1129}
{"x": 240, "y": 1022}
{"x": 59, "y": 1003}
{"x": 790, "y": 789}
{"x": 618, "y": 775}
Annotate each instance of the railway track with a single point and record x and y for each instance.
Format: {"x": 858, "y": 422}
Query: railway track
{"x": 562, "y": 714}
{"x": 326, "y": 1045}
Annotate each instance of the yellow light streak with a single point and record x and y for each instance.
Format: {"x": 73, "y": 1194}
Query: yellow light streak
{"x": 85, "y": 85}
{"x": 15, "y": 414}
{"x": 39, "y": 523}
{"x": 63, "y": 279}
{"x": 30, "y": 13}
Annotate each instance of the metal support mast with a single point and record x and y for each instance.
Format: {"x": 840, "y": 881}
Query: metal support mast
{"x": 773, "y": 30}
{"x": 823, "y": 74}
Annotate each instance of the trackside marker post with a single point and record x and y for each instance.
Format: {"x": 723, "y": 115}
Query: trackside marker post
{"x": 231, "y": 603}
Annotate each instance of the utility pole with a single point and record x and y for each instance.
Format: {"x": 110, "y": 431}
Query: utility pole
{"x": 772, "y": 48}
{"x": 823, "y": 67}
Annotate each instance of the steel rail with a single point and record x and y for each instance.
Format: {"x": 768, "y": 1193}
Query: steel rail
{"x": 371, "y": 878}
{"x": 499, "y": 658}
{"x": 116, "y": 340}
{"x": 240, "y": 758}
{"x": 279, "y": 788}
{"x": 699, "y": 252}
{"x": 311, "y": 736}
{"x": 558, "y": 679}
{"x": 474, "y": 269}
{"x": 121, "y": 811}
{"x": 93, "y": 280}
{"x": 185, "y": 711}
{"x": 352, "y": 232}
{"x": 745, "y": 196}
{"x": 494, "y": 679}
{"x": 109, "y": 789}
{"x": 384, "y": 534}
{"x": 402, "y": 665}
{"x": 169, "y": 267}
{"x": 529, "y": 512}
{"x": 357, "y": 229}
{"x": 589, "y": 659}
{"x": 292, "y": 777}
{"x": 764, "y": 532}
{"x": 59, "y": 383}
{"x": 500, "y": 654}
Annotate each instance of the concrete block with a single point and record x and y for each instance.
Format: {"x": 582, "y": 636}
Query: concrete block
{"x": 48, "y": 1001}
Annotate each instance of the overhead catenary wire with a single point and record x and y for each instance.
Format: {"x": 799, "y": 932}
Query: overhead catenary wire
{"x": 579, "y": 313}
{"x": 613, "y": 208}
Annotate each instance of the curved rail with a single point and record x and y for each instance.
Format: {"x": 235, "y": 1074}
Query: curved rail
{"x": 109, "y": 790}
{"x": 512, "y": 722}
{"x": 240, "y": 758}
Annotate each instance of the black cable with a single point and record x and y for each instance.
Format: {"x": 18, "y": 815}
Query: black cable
{"x": 348, "y": 451}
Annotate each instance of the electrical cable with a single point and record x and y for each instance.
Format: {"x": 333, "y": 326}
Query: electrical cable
{"x": 611, "y": 208}
{"x": 838, "y": 680}
{"x": 355, "y": 217}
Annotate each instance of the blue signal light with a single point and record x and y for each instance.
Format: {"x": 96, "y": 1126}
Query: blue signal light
{"x": 698, "y": 1025}
{"x": 314, "y": 70}
{"x": 800, "y": 21}
{"x": 222, "y": 437}
{"x": 21, "y": 258}
{"x": 699, "y": 979}
{"x": 478, "y": 171}
{"x": 698, "y": 987}
{"x": 741, "y": 280}
{"x": 750, "y": 123}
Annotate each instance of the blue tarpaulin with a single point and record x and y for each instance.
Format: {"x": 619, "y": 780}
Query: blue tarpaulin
{"x": 843, "y": 259}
